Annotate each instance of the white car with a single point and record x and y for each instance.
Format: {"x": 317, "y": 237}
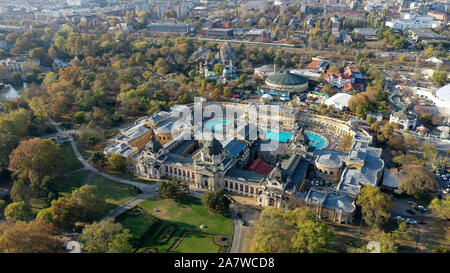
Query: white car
{"x": 411, "y": 221}
{"x": 398, "y": 217}
{"x": 444, "y": 177}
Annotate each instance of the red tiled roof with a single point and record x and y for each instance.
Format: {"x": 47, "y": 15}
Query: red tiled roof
{"x": 313, "y": 64}
{"x": 260, "y": 167}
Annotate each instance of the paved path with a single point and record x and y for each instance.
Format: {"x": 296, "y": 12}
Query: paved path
{"x": 128, "y": 205}
{"x": 148, "y": 191}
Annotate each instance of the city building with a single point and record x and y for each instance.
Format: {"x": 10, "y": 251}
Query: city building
{"x": 284, "y": 85}
{"x": 405, "y": 119}
{"x": 175, "y": 28}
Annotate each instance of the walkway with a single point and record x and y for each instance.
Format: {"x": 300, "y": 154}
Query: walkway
{"x": 148, "y": 191}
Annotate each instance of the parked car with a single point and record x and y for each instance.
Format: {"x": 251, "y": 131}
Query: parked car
{"x": 421, "y": 222}
{"x": 410, "y": 212}
{"x": 239, "y": 215}
{"x": 398, "y": 217}
{"x": 243, "y": 222}
{"x": 411, "y": 221}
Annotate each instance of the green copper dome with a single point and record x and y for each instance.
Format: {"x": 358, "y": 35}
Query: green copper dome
{"x": 286, "y": 78}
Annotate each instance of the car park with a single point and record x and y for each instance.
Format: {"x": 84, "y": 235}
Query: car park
{"x": 410, "y": 212}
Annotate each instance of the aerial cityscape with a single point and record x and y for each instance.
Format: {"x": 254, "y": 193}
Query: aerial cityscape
{"x": 224, "y": 126}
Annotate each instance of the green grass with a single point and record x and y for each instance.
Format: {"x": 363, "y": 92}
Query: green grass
{"x": 137, "y": 224}
{"x": 187, "y": 214}
{"x": 69, "y": 183}
{"x": 115, "y": 193}
{"x": 193, "y": 243}
{"x": 71, "y": 162}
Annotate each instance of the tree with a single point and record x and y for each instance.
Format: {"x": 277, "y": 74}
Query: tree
{"x": 417, "y": 180}
{"x": 79, "y": 117}
{"x": 440, "y": 77}
{"x": 441, "y": 208}
{"x": 65, "y": 212}
{"x": 2, "y": 206}
{"x": 35, "y": 158}
{"x": 173, "y": 189}
{"x": 98, "y": 158}
{"x": 106, "y": 237}
{"x": 117, "y": 163}
{"x": 374, "y": 206}
{"x": 19, "y": 191}
{"x": 216, "y": 201}
{"x": 297, "y": 230}
{"x": 29, "y": 237}
{"x": 218, "y": 69}
{"x": 273, "y": 233}
{"x": 18, "y": 211}
{"x": 311, "y": 235}
{"x": 91, "y": 204}
{"x": 385, "y": 241}
{"x": 45, "y": 215}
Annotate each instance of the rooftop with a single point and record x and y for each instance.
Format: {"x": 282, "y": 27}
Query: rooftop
{"x": 286, "y": 79}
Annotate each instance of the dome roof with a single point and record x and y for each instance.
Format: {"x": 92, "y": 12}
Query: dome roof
{"x": 214, "y": 147}
{"x": 153, "y": 145}
{"x": 286, "y": 78}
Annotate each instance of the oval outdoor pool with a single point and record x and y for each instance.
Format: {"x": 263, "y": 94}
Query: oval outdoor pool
{"x": 316, "y": 141}
{"x": 217, "y": 124}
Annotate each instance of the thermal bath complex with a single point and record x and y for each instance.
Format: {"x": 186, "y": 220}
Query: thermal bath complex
{"x": 279, "y": 177}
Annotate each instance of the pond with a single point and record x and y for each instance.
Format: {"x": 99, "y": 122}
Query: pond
{"x": 9, "y": 92}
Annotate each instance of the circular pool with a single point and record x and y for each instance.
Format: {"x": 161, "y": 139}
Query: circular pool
{"x": 316, "y": 140}
{"x": 217, "y": 124}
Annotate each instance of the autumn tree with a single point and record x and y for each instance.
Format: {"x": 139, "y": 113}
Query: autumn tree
{"x": 36, "y": 158}
{"x": 297, "y": 231}
{"x": 441, "y": 208}
{"x": 374, "y": 206}
{"x": 29, "y": 237}
{"x": 106, "y": 237}
{"x": 417, "y": 180}
{"x": 440, "y": 77}
{"x": 65, "y": 212}
{"x": 18, "y": 211}
{"x": 117, "y": 163}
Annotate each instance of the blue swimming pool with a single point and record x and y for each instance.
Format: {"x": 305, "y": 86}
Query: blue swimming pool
{"x": 316, "y": 141}
{"x": 217, "y": 124}
{"x": 279, "y": 136}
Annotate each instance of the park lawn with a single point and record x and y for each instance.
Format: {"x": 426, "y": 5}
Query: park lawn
{"x": 71, "y": 162}
{"x": 189, "y": 213}
{"x": 137, "y": 224}
{"x": 37, "y": 204}
{"x": 71, "y": 182}
{"x": 151, "y": 239}
{"x": 193, "y": 243}
{"x": 115, "y": 193}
